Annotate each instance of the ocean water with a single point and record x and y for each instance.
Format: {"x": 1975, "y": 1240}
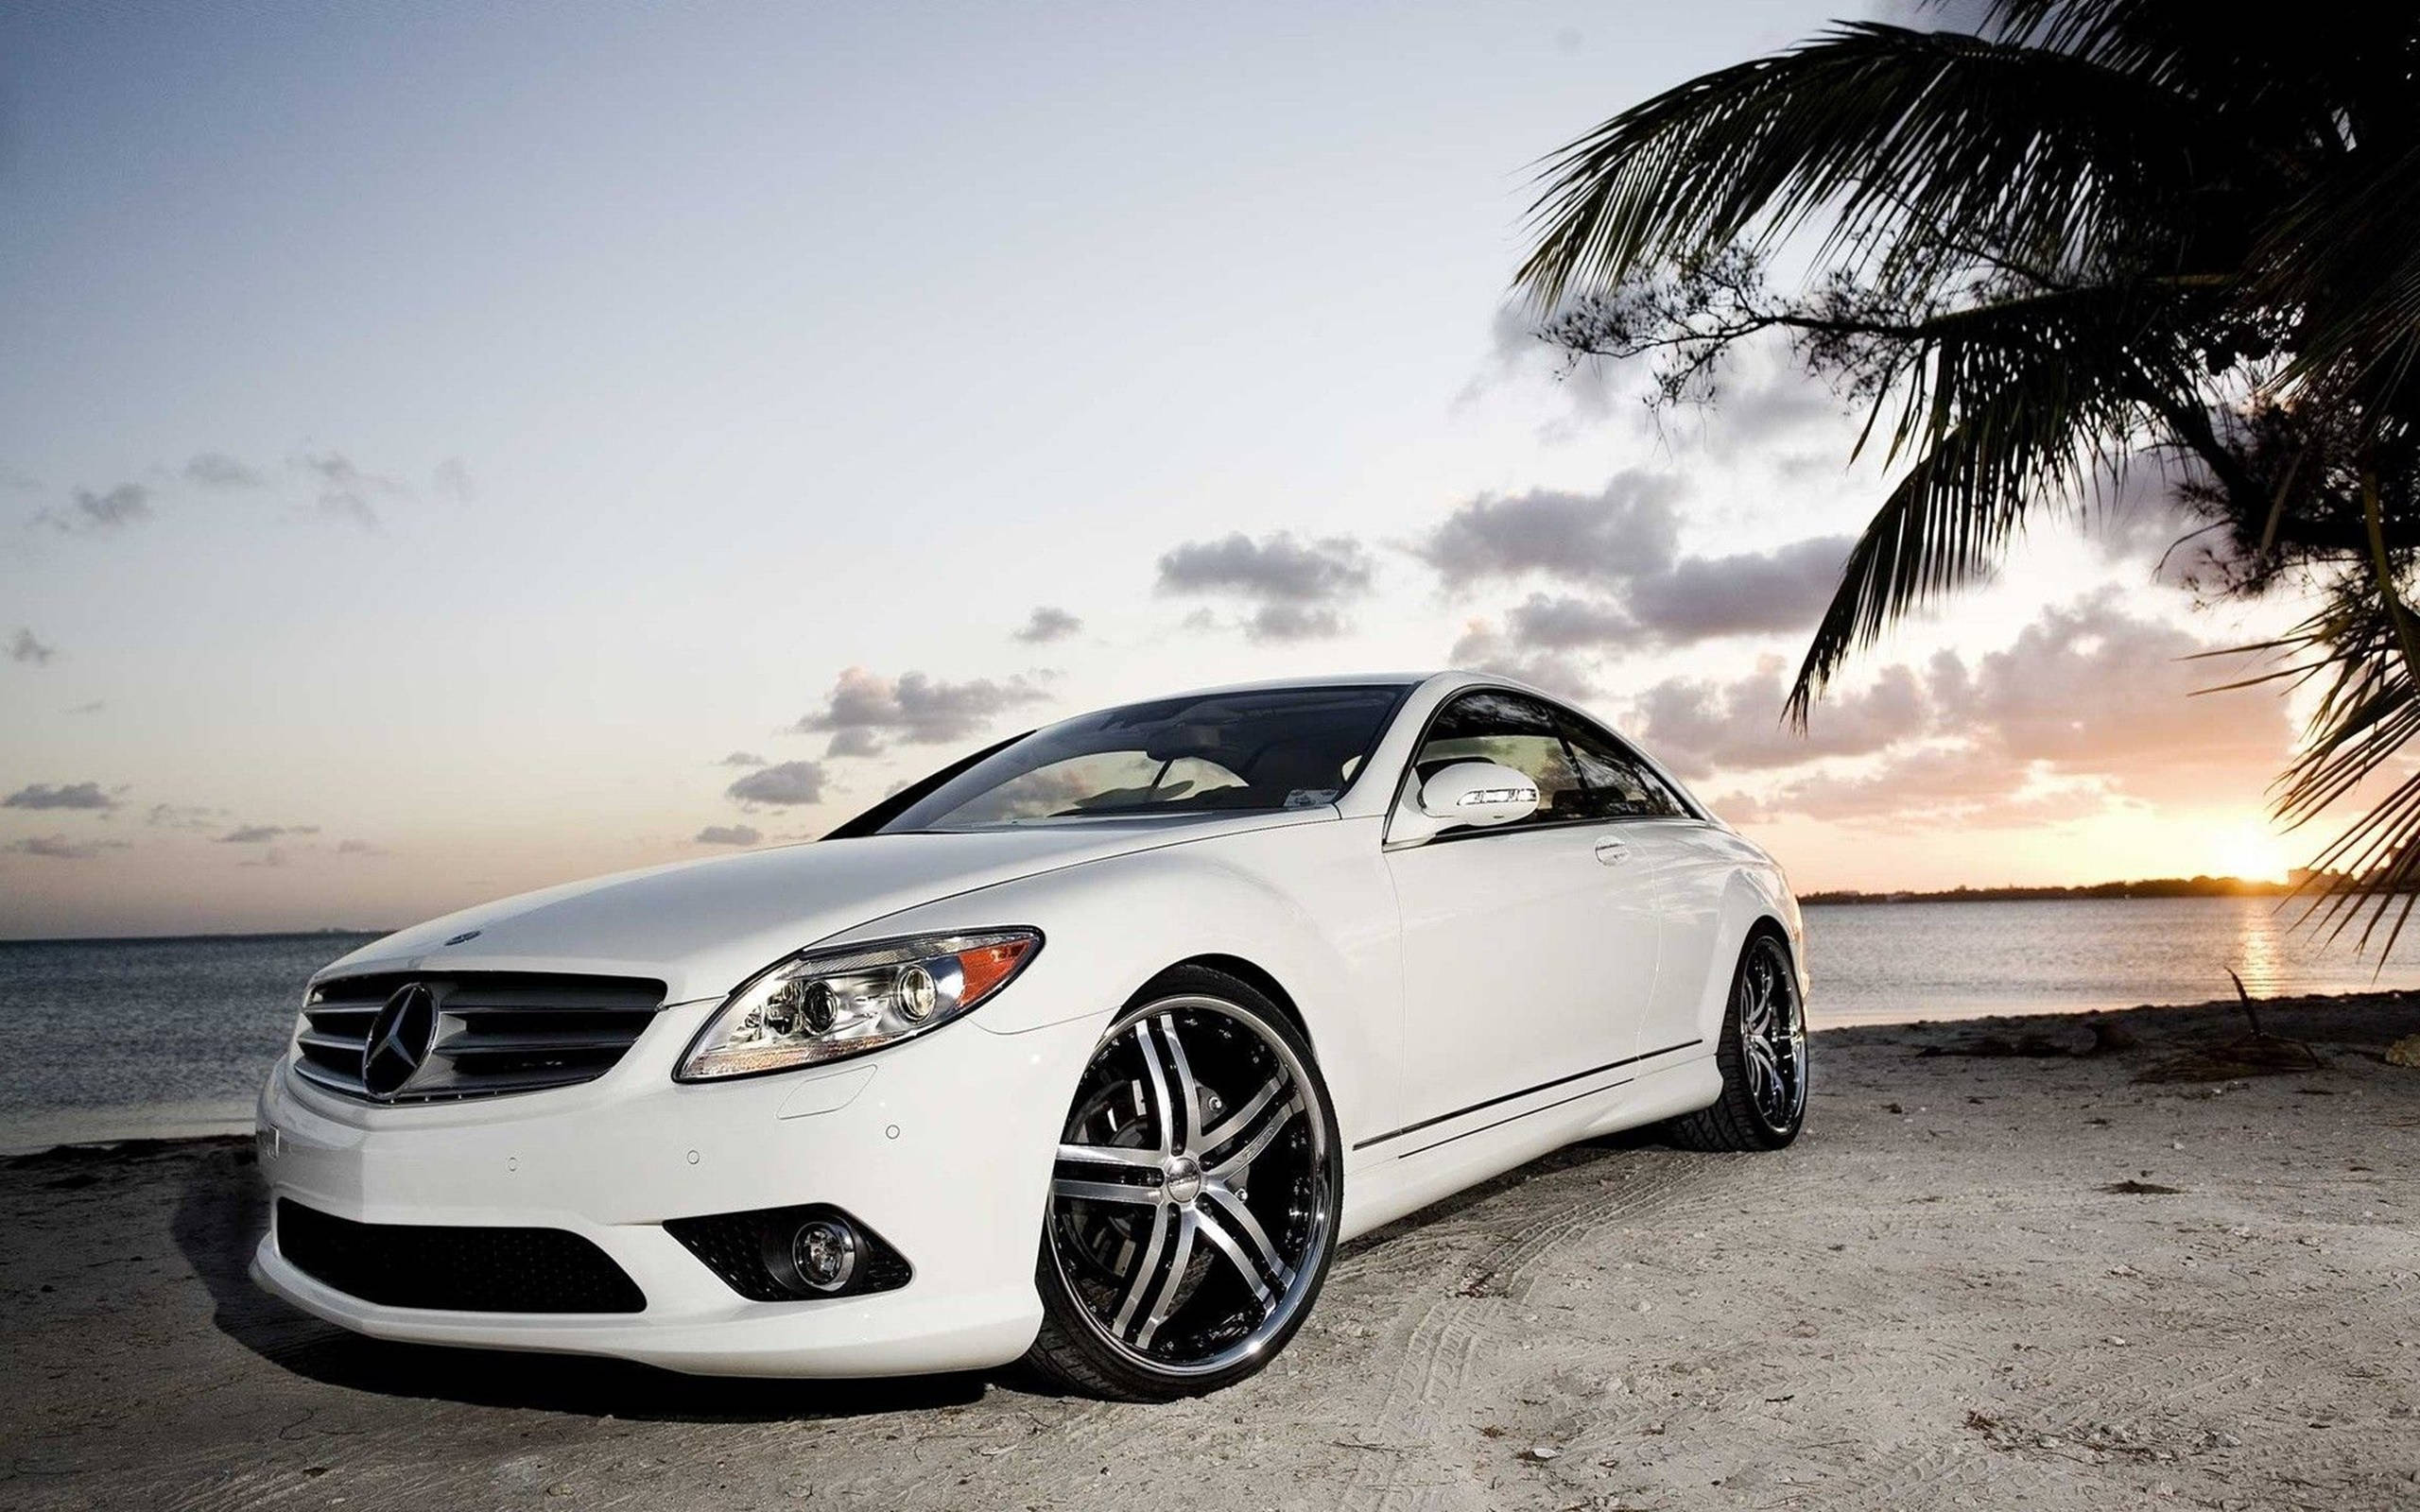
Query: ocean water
{"x": 152, "y": 1038}
{"x": 123, "y": 1039}
{"x": 1889, "y": 963}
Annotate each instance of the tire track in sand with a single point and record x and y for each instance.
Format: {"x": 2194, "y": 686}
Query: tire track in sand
{"x": 1488, "y": 1250}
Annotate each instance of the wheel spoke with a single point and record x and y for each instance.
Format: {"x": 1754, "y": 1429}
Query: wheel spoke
{"x": 1156, "y": 1080}
{"x": 1231, "y": 1213}
{"x": 1180, "y": 1258}
{"x": 1224, "y": 1242}
{"x": 1764, "y": 1076}
{"x": 1188, "y": 1092}
{"x": 1756, "y": 1013}
{"x": 1236, "y": 1122}
{"x": 1107, "y": 1155}
{"x": 1102, "y": 1191}
{"x": 1138, "y": 1280}
{"x": 1258, "y": 1142}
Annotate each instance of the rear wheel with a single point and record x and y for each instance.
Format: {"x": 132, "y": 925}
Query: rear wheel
{"x": 1193, "y": 1207}
{"x": 1762, "y": 1056}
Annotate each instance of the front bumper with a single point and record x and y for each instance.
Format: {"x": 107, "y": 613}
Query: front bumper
{"x": 943, "y": 1145}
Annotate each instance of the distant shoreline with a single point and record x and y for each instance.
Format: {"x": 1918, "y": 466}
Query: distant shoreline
{"x": 212, "y": 935}
{"x": 2094, "y": 892}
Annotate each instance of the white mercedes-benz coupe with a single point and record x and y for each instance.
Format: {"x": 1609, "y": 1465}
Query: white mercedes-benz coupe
{"x": 1089, "y": 1048}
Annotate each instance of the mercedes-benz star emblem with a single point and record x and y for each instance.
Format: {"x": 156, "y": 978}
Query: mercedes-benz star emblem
{"x": 400, "y": 1038}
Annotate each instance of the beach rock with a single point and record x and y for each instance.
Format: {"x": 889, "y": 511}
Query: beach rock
{"x": 2405, "y": 1052}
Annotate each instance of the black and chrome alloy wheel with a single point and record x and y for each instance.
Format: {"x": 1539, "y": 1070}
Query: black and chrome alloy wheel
{"x": 1194, "y": 1199}
{"x": 1772, "y": 1035}
{"x": 1762, "y": 1056}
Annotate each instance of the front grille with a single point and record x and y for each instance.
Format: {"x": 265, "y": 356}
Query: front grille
{"x": 456, "y": 1269}
{"x": 746, "y": 1250}
{"x": 496, "y": 1031}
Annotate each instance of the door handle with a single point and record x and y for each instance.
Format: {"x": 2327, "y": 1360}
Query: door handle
{"x": 1613, "y": 853}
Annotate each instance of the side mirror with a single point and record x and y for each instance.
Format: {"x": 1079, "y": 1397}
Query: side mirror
{"x": 1478, "y": 793}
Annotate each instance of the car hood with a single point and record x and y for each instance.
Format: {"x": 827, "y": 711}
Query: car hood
{"x": 702, "y": 927}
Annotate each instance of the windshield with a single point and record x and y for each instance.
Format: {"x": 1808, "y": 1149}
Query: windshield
{"x": 1216, "y": 753}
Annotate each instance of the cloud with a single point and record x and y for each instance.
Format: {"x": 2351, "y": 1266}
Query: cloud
{"x": 2089, "y": 689}
{"x": 126, "y": 504}
{"x": 1697, "y": 727}
{"x": 2089, "y": 705}
{"x": 741, "y": 758}
{"x": 1566, "y": 623}
{"x": 216, "y": 470}
{"x": 360, "y": 847}
{"x": 1769, "y": 395}
{"x": 1623, "y": 544}
{"x": 184, "y": 816}
{"x": 345, "y": 491}
{"x": 791, "y": 782}
{"x": 24, "y": 648}
{"x": 1629, "y": 530}
{"x": 1936, "y": 787}
{"x": 262, "y": 834}
{"x": 65, "y": 796}
{"x": 452, "y": 480}
{"x": 1483, "y": 649}
{"x": 865, "y": 708}
{"x": 1751, "y": 593}
{"x": 729, "y": 834}
{"x": 94, "y": 707}
{"x": 1048, "y": 624}
{"x": 1295, "y": 587}
{"x": 59, "y": 848}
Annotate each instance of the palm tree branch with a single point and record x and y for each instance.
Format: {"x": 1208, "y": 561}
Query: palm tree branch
{"x": 2007, "y": 403}
{"x": 1990, "y": 143}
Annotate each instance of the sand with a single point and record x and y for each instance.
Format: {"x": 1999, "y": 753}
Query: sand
{"x": 1977, "y": 1281}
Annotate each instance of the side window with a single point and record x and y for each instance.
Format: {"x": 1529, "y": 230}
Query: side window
{"x": 1513, "y": 731}
{"x": 1620, "y": 786}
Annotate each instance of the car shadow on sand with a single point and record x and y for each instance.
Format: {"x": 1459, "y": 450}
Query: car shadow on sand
{"x": 222, "y": 1211}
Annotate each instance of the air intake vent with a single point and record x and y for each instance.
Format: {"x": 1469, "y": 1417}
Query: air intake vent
{"x": 493, "y": 1032}
{"x": 456, "y": 1269}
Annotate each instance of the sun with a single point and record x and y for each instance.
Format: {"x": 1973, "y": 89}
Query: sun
{"x": 2249, "y": 850}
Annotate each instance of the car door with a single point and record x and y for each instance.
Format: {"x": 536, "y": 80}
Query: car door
{"x": 1671, "y": 849}
{"x": 1527, "y": 957}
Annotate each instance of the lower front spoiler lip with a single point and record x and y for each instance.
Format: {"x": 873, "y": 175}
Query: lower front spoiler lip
{"x": 887, "y": 1334}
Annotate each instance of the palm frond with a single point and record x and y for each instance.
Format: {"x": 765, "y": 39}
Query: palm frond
{"x": 2347, "y": 252}
{"x": 1983, "y": 142}
{"x": 2366, "y": 711}
{"x": 2008, "y": 405}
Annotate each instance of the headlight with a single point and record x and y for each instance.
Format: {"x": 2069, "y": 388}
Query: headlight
{"x": 824, "y": 1005}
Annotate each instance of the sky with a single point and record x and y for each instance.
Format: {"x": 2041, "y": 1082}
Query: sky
{"x": 446, "y": 451}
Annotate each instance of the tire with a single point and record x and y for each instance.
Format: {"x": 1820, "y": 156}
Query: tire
{"x": 1188, "y": 1232}
{"x": 1764, "y": 1064}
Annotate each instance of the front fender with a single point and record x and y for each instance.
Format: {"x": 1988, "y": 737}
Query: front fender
{"x": 1311, "y": 907}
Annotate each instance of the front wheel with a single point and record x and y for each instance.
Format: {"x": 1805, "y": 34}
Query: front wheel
{"x": 1194, "y": 1202}
{"x": 1762, "y": 1056}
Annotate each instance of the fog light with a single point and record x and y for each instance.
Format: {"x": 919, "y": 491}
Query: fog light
{"x": 826, "y": 1253}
